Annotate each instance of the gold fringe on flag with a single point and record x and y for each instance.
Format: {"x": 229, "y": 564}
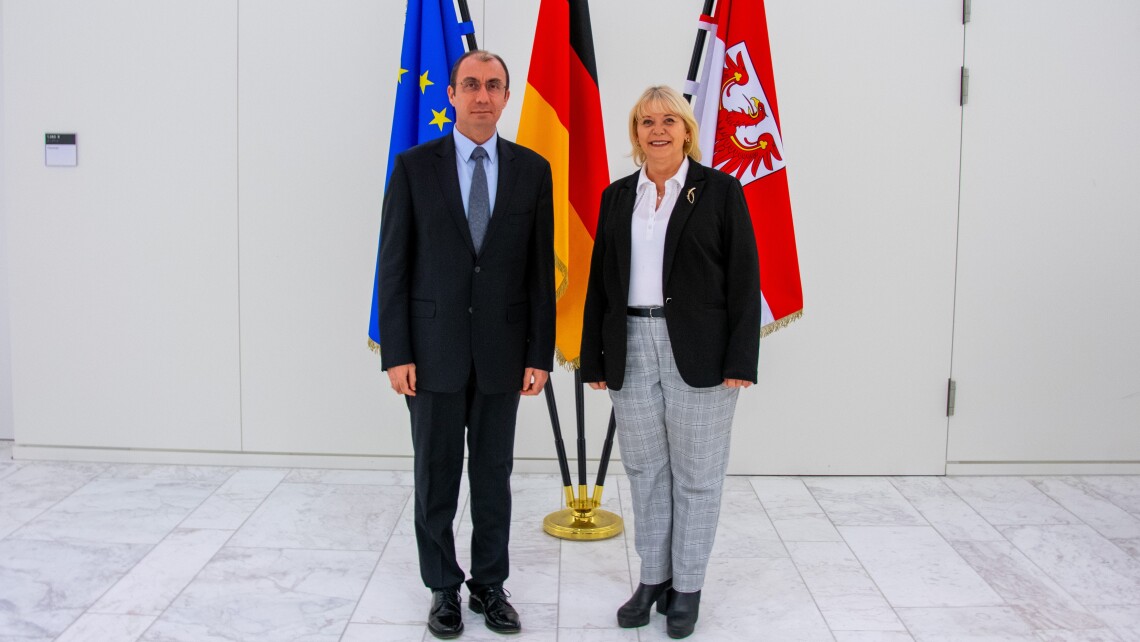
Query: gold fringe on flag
{"x": 569, "y": 364}
{"x": 781, "y": 324}
{"x": 563, "y": 272}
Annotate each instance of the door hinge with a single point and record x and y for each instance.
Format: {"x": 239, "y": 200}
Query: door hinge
{"x": 951, "y": 393}
{"x": 965, "y": 97}
{"x": 965, "y": 11}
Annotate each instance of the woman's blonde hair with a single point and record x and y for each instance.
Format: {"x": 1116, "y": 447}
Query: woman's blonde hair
{"x": 664, "y": 99}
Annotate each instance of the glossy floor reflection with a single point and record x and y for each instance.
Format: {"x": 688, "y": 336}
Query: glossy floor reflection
{"x": 110, "y": 552}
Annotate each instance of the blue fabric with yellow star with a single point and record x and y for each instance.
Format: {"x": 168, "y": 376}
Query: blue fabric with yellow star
{"x": 433, "y": 41}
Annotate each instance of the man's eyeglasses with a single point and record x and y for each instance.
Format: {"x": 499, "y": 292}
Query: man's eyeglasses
{"x": 493, "y": 86}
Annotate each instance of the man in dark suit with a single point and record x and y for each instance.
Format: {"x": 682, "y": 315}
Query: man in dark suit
{"x": 466, "y": 288}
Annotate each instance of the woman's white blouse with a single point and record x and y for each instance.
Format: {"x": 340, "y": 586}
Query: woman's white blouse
{"x": 647, "y": 246}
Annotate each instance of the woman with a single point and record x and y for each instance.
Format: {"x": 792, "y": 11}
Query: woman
{"x": 672, "y": 329}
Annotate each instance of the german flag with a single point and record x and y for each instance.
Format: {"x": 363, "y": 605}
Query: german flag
{"x": 562, "y": 120}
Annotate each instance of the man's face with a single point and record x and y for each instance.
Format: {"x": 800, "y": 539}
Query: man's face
{"x": 479, "y": 94}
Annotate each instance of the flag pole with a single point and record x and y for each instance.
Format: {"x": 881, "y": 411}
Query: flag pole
{"x": 580, "y": 412}
{"x": 559, "y": 445}
{"x": 553, "y": 59}
{"x": 465, "y": 16}
{"x": 604, "y": 464}
{"x": 582, "y": 519}
{"x": 698, "y": 48}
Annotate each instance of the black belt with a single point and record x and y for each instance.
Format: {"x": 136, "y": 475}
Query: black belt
{"x": 657, "y": 313}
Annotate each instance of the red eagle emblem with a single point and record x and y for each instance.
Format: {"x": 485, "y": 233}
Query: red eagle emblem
{"x": 740, "y": 153}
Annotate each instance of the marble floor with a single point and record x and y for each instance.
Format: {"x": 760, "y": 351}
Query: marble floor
{"x": 110, "y": 552}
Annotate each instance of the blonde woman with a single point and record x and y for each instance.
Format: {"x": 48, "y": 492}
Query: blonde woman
{"x": 672, "y": 329}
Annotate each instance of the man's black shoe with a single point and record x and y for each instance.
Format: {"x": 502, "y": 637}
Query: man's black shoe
{"x": 492, "y": 602}
{"x": 445, "y": 620}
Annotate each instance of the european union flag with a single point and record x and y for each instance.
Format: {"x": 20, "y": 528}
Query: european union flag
{"x": 433, "y": 41}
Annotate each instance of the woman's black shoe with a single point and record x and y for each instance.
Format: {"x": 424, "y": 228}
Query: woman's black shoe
{"x": 682, "y": 618}
{"x": 635, "y": 612}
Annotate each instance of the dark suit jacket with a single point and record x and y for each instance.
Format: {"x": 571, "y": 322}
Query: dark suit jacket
{"x": 711, "y": 283}
{"x": 446, "y": 309}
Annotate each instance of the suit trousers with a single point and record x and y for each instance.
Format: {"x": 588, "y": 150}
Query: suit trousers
{"x": 441, "y": 423}
{"x": 674, "y": 442}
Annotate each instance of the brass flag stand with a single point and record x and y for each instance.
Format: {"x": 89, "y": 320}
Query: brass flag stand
{"x": 583, "y": 517}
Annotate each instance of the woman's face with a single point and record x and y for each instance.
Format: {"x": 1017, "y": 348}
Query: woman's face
{"x": 661, "y": 136}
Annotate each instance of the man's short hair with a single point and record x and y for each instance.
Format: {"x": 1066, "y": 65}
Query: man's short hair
{"x": 481, "y": 55}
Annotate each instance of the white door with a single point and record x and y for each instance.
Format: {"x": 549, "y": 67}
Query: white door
{"x": 1046, "y": 339}
{"x": 869, "y": 103}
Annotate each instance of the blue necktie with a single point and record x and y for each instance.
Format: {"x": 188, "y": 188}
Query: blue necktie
{"x": 478, "y": 201}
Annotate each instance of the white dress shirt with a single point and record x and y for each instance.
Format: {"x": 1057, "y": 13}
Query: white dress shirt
{"x": 647, "y": 241}
{"x": 466, "y": 166}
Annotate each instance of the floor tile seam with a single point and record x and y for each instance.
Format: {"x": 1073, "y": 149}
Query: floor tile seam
{"x": 108, "y": 468}
{"x": 558, "y": 574}
{"x": 346, "y": 484}
{"x": 1009, "y": 607}
{"x": 95, "y": 611}
{"x": 1056, "y": 583}
{"x": 199, "y": 505}
{"x": 375, "y": 566}
{"x": 53, "y": 505}
{"x": 1031, "y": 479}
{"x": 905, "y": 500}
{"x": 889, "y": 485}
{"x": 1134, "y": 576}
{"x": 921, "y": 513}
{"x": 85, "y": 613}
{"x": 206, "y": 565}
{"x": 181, "y": 590}
{"x": 111, "y": 587}
{"x": 12, "y": 468}
{"x": 875, "y": 582}
{"x": 1116, "y": 541}
{"x": 1094, "y": 494}
{"x": 814, "y": 501}
{"x": 213, "y": 557}
{"x": 227, "y": 545}
{"x": 1049, "y": 499}
{"x": 954, "y": 493}
{"x": 963, "y": 607}
{"x": 261, "y": 503}
{"x": 1089, "y": 488}
{"x": 977, "y": 573}
{"x": 996, "y": 527}
{"x": 792, "y": 559}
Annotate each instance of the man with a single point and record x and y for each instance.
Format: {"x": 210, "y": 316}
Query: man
{"x": 466, "y": 288}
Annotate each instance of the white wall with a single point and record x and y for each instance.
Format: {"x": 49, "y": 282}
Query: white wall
{"x": 123, "y": 270}
{"x": 200, "y": 283}
{"x": 7, "y": 430}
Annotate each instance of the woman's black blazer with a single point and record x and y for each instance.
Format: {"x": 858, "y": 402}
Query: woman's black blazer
{"x": 711, "y": 279}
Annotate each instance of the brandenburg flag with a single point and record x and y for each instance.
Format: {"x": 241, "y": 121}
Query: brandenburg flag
{"x": 562, "y": 120}
{"x": 740, "y": 124}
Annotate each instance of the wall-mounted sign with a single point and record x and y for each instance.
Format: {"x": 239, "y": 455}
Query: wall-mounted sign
{"x": 60, "y": 150}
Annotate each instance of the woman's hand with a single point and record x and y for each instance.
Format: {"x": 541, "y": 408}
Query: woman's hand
{"x": 597, "y": 385}
{"x": 735, "y": 383}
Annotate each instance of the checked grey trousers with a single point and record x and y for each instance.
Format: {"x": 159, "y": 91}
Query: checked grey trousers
{"x": 674, "y": 442}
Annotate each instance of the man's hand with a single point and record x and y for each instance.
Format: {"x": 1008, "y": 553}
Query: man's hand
{"x": 737, "y": 383}
{"x": 597, "y": 385}
{"x": 403, "y": 379}
{"x": 533, "y": 381}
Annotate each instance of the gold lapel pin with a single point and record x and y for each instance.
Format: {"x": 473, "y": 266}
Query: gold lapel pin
{"x": 689, "y": 195}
